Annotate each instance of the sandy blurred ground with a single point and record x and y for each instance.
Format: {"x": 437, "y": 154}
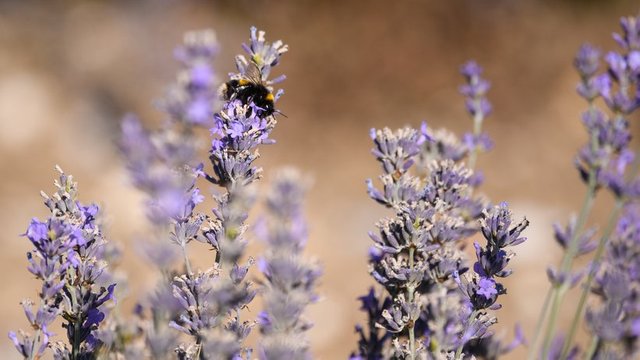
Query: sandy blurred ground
{"x": 69, "y": 70}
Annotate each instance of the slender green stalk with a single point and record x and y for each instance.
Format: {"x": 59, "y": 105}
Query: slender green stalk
{"x": 572, "y": 249}
{"x": 187, "y": 264}
{"x": 551, "y": 325}
{"x": 472, "y": 317}
{"x": 75, "y": 347}
{"x": 410, "y": 295}
{"x": 556, "y": 292}
{"x": 592, "y": 348}
{"x": 587, "y": 285}
{"x": 539, "y": 323}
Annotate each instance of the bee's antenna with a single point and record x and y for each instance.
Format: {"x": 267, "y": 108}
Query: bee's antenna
{"x": 281, "y": 113}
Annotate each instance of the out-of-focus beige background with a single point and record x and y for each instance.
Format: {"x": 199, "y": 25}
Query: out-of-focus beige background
{"x": 69, "y": 70}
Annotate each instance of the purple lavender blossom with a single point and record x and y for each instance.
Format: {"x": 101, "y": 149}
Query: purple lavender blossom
{"x": 597, "y": 160}
{"x": 238, "y": 129}
{"x": 586, "y": 243}
{"x": 615, "y": 321}
{"x": 290, "y": 278}
{"x": 483, "y": 290}
{"x": 207, "y": 298}
{"x": 163, "y": 164}
{"x": 434, "y": 306}
{"x": 587, "y": 63}
{"x": 475, "y": 90}
{"x": 478, "y": 106}
{"x": 263, "y": 55}
{"x": 441, "y": 144}
{"x": 68, "y": 259}
{"x": 193, "y": 99}
{"x": 418, "y": 258}
{"x": 371, "y": 343}
{"x": 619, "y": 86}
{"x": 603, "y": 163}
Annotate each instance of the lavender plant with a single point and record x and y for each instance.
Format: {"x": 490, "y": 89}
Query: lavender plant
{"x": 164, "y": 165}
{"x": 615, "y": 324}
{"x": 603, "y": 163}
{"x": 291, "y": 279}
{"x": 434, "y": 299}
{"x": 67, "y": 257}
{"x": 434, "y": 305}
{"x": 209, "y": 302}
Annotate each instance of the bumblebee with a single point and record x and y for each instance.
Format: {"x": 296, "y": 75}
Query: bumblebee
{"x": 247, "y": 90}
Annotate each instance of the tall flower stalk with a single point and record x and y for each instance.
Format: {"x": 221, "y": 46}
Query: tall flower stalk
{"x": 615, "y": 323}
{"x": 212, "y": 303}
{"x": 67, "y": 257}
{"x": 434, "y": 305}
{"x": 206, "y": 304}
{"x": 163, "y": 164}
{"x": 291, "y": 279}
{"x": 432, "y": 301}
{"x": 603, "y": 163}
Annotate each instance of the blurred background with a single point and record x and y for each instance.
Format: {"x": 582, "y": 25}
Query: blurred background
{"x": 69, "y": 71}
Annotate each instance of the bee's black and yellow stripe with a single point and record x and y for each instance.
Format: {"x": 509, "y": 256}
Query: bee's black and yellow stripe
{"x": 248, "y": 91}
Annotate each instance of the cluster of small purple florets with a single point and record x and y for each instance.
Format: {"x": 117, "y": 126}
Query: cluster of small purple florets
{"x": 607, "y": 154}
{"x": 291, "y": 279}
{"x": 614, "y": 276}
{"x": 603, "y": 163}
{"x": 210, "y": 301}
{"x": 67, "y": 257}
{"x": 433, "y": 304}
{"x": 204, "y": 305}
{"x": 163, "y": 164}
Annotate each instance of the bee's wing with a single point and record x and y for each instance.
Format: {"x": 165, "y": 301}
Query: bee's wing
{"x": 253, "y": 73}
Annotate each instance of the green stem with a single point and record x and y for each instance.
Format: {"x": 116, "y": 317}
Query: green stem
{"x": 572, "y": 249}
{"x": 539, "y": 323}
{"x": 472, "y": 318}
{"x": 557, "y": 291}
{"x": 587, "y": 285}
{"x": 551, "y": 325}
{"x": 187, "y": 264}
{"x": 76, "y": 339}
{"x": 592, "y": 348}
{"x": 410, "y": 290}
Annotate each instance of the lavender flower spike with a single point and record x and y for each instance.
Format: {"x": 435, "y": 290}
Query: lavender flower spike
{"x": 238, "y": 129}
{"x": 587, "y": 62}
{"x": 163, "y": 164}
{"x": 261, "y": 54}
{"x": 291, "y": 279}
{"x": 479, "y": 107}
{"x": 616, "y": 323}
{"x": 212, "y": 303}
{"x": 194, "y": 99}
{"x": 68, "y": 259}
{"x": 475, "y": 90}
{"x": 492, "y": 260}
